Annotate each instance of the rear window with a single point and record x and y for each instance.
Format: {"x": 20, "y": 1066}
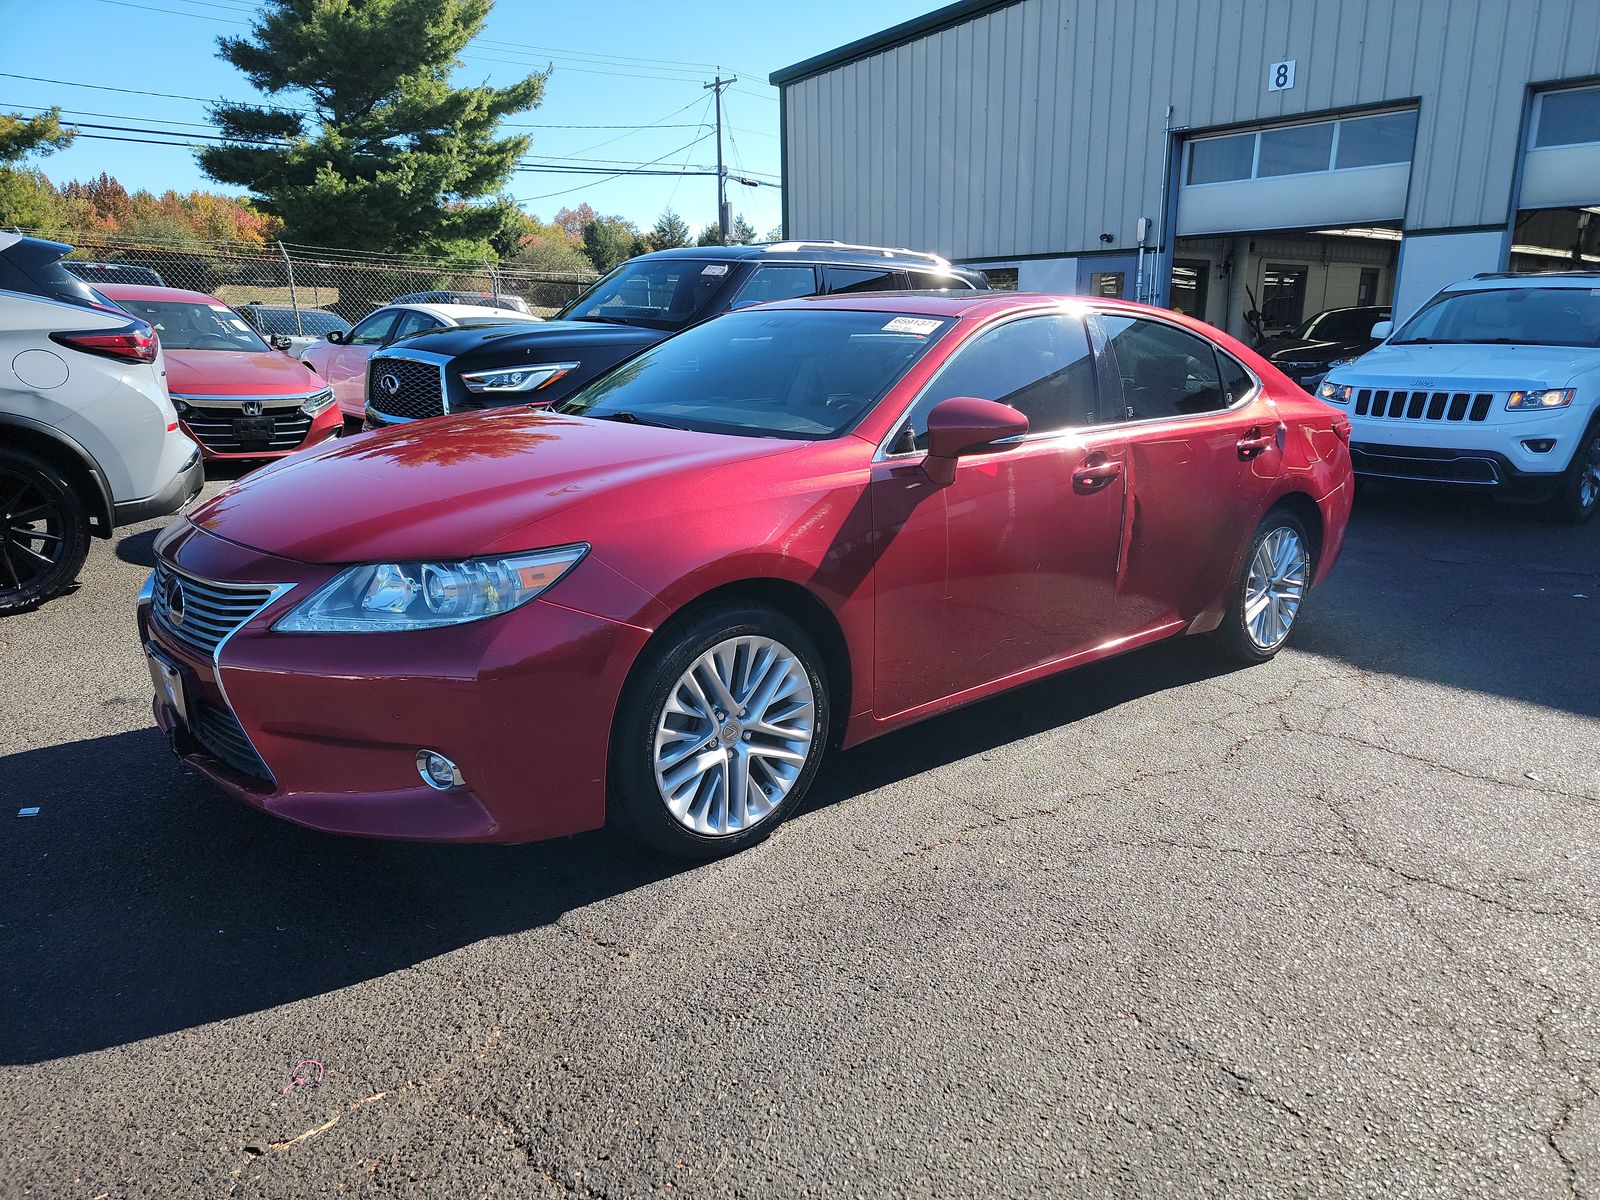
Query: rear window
{"x": 34, "y": 267}
{"x": 1540, "y": 316}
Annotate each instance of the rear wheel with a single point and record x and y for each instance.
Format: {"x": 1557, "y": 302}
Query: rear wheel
{"x": 1577, "y": 496}
{"x": 1270, "y": 591}
{"x": 719, "y": 733}
{"x": 44, "y": 531}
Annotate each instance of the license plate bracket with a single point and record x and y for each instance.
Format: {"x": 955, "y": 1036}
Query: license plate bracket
{"x": 252, "y": 429}
{"x": 167, "y": 677}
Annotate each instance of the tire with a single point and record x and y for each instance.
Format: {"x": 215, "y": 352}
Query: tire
{"x": 1242, "y": 637}
{"x": 674, "y": 766}
{"x": 44, "y": 532}
{"x": 1577, "y": 496}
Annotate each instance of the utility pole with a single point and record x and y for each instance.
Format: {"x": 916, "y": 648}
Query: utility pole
{"x": 724, "y": 218}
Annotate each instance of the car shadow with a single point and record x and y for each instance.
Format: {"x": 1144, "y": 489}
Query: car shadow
{"x": 140, "y": 901}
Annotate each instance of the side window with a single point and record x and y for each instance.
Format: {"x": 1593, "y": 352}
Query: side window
{"x": 1166, "y": 372}
{"x": 1041, "y": 366}
{"x": 776, "y": 283}
{"x": 374, "y": 331}
{"x": 933, "y": 281}
{"x": 1237, "y": 383}
{"x": 413, "y": 322}
{"x": 864, "y": 279}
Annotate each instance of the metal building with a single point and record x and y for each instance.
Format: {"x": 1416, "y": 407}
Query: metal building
{"x": 1251, "y": 161}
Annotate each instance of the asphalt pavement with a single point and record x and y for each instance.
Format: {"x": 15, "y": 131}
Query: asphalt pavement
{"x": 1326, "y": 927}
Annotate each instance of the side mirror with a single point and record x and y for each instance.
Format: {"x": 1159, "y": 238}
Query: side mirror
{"x": 336, "y": 336}
{"x": 280, "y": 341}
{"x": 966, "y": 425}
{"x": 1382, "y": 330}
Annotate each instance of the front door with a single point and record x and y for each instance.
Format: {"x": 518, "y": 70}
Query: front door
{"x": 1205, "y": 447}
{"x": 1013, "y": 564}
{"x": 347, "y": 367}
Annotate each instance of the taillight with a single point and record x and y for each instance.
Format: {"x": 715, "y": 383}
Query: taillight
{"x": 1341, "y": 428}
{"x": 135, "y": 342}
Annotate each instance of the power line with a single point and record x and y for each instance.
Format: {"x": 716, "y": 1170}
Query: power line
{"x": 641, "y": 169}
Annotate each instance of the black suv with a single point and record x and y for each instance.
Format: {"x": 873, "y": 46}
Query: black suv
{"x": 642, "y": 302}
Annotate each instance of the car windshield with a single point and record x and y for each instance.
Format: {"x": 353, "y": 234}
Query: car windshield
{"x": 791, "y": 373}
{"x": 185, "y": 326}
{"x": 1534, "y": 316}
{"x": 662, "y": 293}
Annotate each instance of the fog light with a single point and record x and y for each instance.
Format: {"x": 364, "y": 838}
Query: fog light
{"x": 437, "y": 771}
{"x": 1539, "y": 445}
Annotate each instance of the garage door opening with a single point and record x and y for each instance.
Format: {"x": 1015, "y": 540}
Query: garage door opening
{"x": 1556, "y": 239}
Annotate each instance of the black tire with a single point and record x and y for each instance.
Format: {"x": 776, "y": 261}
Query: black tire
{"x": 635, "y": 804}
{"x": 1577, "y": 496}
{"x": 44, "y": 532}
{"x": 1233, "y": 638}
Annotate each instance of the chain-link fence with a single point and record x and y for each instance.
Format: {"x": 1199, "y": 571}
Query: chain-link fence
{"x": 347, "y": 283}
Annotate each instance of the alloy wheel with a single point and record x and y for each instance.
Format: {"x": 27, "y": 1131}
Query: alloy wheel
{"x": 1276, "y": 586}
{"x": 1589, "y": 481}
{"x": 734, "y": 735}
{"x": 32, "y": 531}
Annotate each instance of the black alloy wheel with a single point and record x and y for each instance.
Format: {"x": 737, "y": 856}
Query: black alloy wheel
{"x": 44, "y": 531}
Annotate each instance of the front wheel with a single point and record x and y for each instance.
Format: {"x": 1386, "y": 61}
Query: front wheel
{"x": 1270, "y": 591}
{"x": 44, "y": 532}
{"x": 1577, "y": 496}
{"x": 719, "y": 733}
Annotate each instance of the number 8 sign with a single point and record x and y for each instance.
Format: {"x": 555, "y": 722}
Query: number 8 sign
{"x": 1280, "y": 76}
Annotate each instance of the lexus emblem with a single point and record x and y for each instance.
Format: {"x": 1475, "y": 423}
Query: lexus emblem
{"x": 175, "y": 600}
{"x": 253, "y": 408}
{"x": 390, "y": 383}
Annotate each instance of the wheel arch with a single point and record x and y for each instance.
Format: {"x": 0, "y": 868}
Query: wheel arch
{"x": 1303, "y": 508}
{"x": 70, "y": 458}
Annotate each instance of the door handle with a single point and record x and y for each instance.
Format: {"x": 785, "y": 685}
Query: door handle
{"x": 1097, "y": 472}
{"x": 1255, "y": 443}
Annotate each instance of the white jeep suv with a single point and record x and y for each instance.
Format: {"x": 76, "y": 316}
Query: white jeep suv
{"x": 88, "y": 436}
{"x": 1494, "y": 383}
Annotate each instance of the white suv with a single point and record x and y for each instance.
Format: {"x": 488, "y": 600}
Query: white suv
{"x": 1493, "y": 383}
{"x": 88, "y": 436}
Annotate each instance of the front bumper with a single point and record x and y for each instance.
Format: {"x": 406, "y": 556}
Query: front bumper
{"x": 522, "y": 702}
{"x": 211, "y": 428}
{"x": 1456, "y": 467}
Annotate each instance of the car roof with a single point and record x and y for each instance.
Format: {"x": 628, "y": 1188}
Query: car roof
{"x": 1527, "y": 279}
{"x": 457, "y": 312}
{"x": 841, "y": 253}
{"x": 951, "y": 304}
{"x": 148, "y": 291}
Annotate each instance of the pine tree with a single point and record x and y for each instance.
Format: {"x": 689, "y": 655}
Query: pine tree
{"x": 389, "y": 155}
{"x": 670, "y": 230}
{"x": 20, "y": 135}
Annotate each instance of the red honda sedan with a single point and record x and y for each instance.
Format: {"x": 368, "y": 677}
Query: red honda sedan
{"x": 795, "y": 527}
{"x": 235, "y": 395}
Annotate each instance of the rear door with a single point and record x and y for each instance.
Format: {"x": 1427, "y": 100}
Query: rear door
{"x": 1012, "y": 565}
{"x": 1204, "y": 447}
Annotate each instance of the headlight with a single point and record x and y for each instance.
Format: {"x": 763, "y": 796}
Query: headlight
{"x": 388, "y": 597}
{"x": 1335, "y": 393}
{"x": 312, "y": 405}
{"x": 516, "y": 379}
{"x": 1554, "y": 398}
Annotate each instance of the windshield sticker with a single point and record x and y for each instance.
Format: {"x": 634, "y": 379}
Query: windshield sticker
{"x": 921, "y": 326}
{"x": 238, "y": 324}
{"x": 716, "y": 269}
{"x": 218, "y": 308}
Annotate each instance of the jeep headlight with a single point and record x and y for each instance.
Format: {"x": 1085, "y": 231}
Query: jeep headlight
{"x": 393, "y": 596}
{"x": 516, "y": 379}
{"x": 1335, "y": 393}
{"x": 1551, "y": 398}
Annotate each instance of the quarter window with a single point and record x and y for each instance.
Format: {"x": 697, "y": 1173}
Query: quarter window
{"x": 1040, "y": 366}
{"x": 413, "y": 322}
{"x": 1166, "y": 372}
{"x": 928, "y": 281}
{"x": 776, "y": 283}
{"x": 863, "y": 279}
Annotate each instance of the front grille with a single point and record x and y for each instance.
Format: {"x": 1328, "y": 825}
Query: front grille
{"x": 1423, "y": 406}
{"x": 209, "y": 611}
{"x": 218, "y": 731}
{"x": 417, "y": 390}
{"x": 213, "y": 429}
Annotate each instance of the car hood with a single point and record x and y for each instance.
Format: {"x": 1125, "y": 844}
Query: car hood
{"x": 1467, "y": 367}
{"x": 1280, "y": 350}
{"x": 241, "y": 373}
{"x": 535, "y": 337}
{"x": 453, "y": 487}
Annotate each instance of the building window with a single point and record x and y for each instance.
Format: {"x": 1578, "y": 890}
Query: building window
{"x": 1002, "y": 279}
{"x": 1376, "y": 141}
{"x": 1367, "y": 289}
{"x": 1569, "y": 118}
{"x": 1340, "y": 145}
{"x": 1283, "y": 296}
{"x": 1107, "y": 284}
{"x": 1191, "y": 280}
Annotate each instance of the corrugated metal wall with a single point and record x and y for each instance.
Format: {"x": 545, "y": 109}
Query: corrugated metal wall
{"x": 1037, "y": 127}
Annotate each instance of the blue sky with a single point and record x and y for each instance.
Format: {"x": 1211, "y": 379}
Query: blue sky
{"x": 624, "y": 62}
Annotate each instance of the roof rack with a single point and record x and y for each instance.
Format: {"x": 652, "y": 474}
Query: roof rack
{"x": 887, "y": 252}
{"x": 1537, "y": 274}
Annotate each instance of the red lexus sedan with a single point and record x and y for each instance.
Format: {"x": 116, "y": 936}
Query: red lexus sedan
{"x": 795, "y": 527}
{"x": 237, "y": 396}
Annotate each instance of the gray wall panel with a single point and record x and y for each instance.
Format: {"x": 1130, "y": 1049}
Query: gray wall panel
{"x": 1036, "y": 127}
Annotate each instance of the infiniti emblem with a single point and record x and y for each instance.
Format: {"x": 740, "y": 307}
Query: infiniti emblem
{"x": 175, "y": 600}
{"x": 390, "y": 383}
